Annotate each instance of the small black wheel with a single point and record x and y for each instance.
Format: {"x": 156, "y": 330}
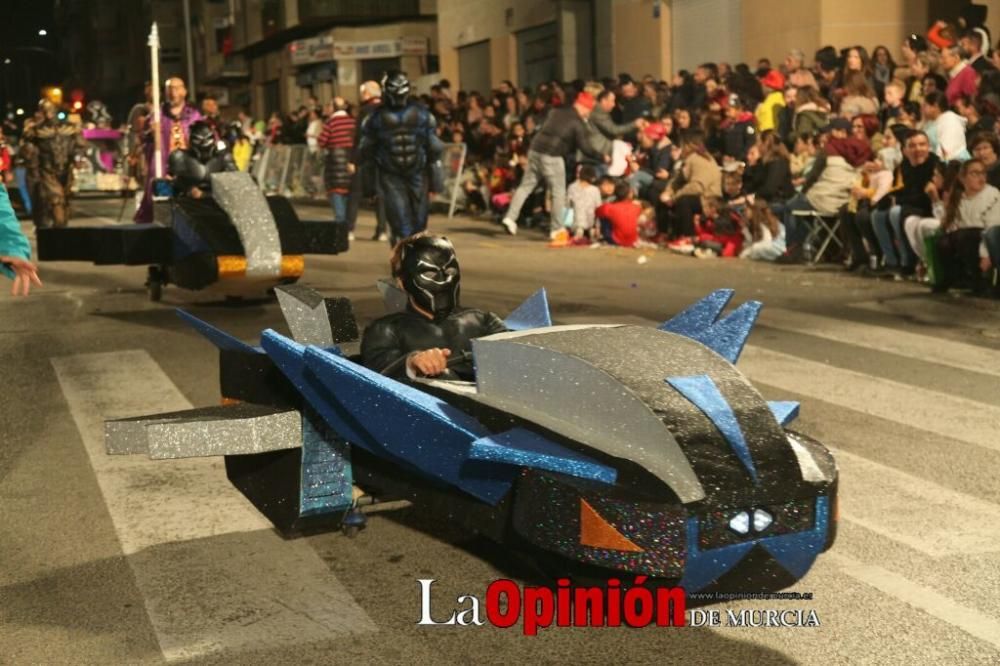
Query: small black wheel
{"x": 354, "y": 521}
{"x": 350, "y": 531}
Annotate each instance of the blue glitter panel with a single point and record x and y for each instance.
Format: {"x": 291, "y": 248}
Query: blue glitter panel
{"x": 705, "y": 395}
{"x": 217, "y": 337}
{"x": 797, "y": 552}
{"x": 785, "y": 411}
{"x": 726, "y": 336}
{"x": 532, "y": 313}
{"x": 326, "y": 469}
{"x": 700, "y": 316}
{"x": 529, "y": 449}
{"x": 288, "y": 355}
{"x": 427, "y": 432}
{"x": 702, "y": 568}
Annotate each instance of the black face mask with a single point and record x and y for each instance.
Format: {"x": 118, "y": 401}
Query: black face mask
{"x": 430, "y": 275}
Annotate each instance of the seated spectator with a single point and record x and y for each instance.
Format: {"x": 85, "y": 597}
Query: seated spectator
{"x": 732, "y": 189}
{"x": 890, "y": 154}
{"x": 909, "y": 115}
{"x": 859, "y": 96}
{"x": 683, "y": 122}
{"x": 919, "y": 229}
{"x": 773, "y": 83}
{"x": 829, "y": 184}
{"x": 925, "y": 63}
{"x": 865, "y": 128}
{"x": 802, "y": 158}
{"x": 584, "y": 198}
{"x": 909, "y": 198}
{"x": 769, "y": 173}
{"x": 607, "y": 185}
{"x": 873, "y": 183}
{"x": 961, "y": 77}
{"x": 945, "y": 129}
{"x": 738, "y": 132}
{"x": 934, "y": 83}
{"x": 620, "y": 219}
{"x": 763, "y": 233}
{"x": 811, "y": 112}
{"x": 718, "y": 230}
{"x": 701, "y": 177}
{"x": 973, "y": 206}
{"x": 985, "y": 147}
{"x": 895, "y": 90}
{"x": 975, "y": 122}
{"x": 883, "y": 67}
{"x": 652, "y": 162}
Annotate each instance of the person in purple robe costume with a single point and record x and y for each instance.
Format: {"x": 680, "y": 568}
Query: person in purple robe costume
{"x": 176, "y": 118}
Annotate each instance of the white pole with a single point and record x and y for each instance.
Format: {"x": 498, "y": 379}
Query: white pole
{"x": 154, "y": 56}
{"x": 190, "y": 52}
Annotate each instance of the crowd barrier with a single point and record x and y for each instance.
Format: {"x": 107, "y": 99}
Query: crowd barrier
{"x": 292, "y": 170}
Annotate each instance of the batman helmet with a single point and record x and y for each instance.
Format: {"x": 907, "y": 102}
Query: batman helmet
{"x": 395, "y": 88}
{"x": 428, "y": 270}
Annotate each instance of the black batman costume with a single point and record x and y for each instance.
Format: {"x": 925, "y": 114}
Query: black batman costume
{"x": 193, "y": 167}
{"x": 429, "y": 272}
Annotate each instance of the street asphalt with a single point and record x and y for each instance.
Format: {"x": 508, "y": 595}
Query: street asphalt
{"x": 120, "y": 560}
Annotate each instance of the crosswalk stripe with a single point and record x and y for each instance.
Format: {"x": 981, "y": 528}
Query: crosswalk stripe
{"x": 935, "y": 604}
{"x": 929, "y": 518}
{"x": 938, "y": 413}
{"x": 903, "y": 343}
{"x": 214, "y": 574}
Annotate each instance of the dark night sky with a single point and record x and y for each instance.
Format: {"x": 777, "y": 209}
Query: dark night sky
{"x": 34, "y": 59}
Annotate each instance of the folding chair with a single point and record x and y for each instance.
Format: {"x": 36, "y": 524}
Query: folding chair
{"x": 823, "y": 231}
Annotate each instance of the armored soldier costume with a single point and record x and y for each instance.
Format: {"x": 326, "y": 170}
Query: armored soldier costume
{"x": 398, "y": 138}
{"x": 193, "y": 166}
{"x": 428, "y": 271}
{"x": 54, "y": 144}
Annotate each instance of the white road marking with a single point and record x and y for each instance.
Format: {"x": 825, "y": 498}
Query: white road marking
{"x": 894, "y": 341}
{"x": 938, "y": 413}
{"x": 214, "y": 574}
{"x": 969, "y": 620}
{"x": 929, "y": 518}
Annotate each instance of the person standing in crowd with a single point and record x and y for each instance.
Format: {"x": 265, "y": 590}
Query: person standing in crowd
{"x": 314, "y": 128}
{"x": 563, "y": 133}
{"x": 961, "y": 77}
{"x": 338, "y": 141}
{"x": 603, "y": 129}
{"x": 971, "y": 44}
{"x": 176, "y": 118}
{"x": 15, "y": 250}
{"x": 210, "y": 114}
{"x": 362, "y": 178}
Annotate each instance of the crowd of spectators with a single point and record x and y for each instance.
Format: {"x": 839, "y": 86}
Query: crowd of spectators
{"x": 729, "y": 161}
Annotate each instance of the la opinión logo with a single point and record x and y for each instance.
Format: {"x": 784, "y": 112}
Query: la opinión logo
{"x": 567, "y": 606}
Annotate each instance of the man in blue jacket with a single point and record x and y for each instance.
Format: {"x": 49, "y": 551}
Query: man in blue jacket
{"x": 15, "y": 251}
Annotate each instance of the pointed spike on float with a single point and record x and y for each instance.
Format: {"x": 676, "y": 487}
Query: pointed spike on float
{"x": 728, "y": 336}
{"x": 699, "y": 316}
{"x": 532, "y": 313}
{"x": 224, "y": 341}
{"x": 394, "y": 299}
{"x": 785, "y": 411}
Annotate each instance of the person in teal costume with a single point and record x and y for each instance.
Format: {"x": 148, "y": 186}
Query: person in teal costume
{"x": 15, "y": 251}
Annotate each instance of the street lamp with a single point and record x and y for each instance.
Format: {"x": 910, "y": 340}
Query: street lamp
{"x": 6, "y": 61}
{"x": 42, "y": 32}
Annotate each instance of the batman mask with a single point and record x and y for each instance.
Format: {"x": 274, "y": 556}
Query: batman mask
{"x": 430, "y": 275}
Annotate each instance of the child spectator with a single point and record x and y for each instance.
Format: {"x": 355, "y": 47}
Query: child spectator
{"x": 718, "y": 232}
{"x": 583, "y": 198}
{"x": 773, "y": 83}
{"x": 607, "y": 187}
{"x": 802, "y": 159}
{"x": 764, "y": 234}
{"x": 620, "y": 219}
{"x": 15, "y": 250}
{"x": 895, "y": 90}
{"x": 973, "y": 206}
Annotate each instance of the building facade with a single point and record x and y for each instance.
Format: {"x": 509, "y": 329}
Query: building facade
{"x": 484, "y": 42}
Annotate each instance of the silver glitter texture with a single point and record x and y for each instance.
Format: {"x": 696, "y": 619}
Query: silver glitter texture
{"x": 207, "y": 431}
{"x": 540, "y": 377}
{"x": 305, "y": 313}
{"x": 247, "y": 208}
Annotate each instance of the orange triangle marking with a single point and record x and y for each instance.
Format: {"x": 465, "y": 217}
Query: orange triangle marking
{"x": 599, "y": 533}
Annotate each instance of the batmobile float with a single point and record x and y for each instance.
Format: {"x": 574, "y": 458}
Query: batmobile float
{"x": 236, "y": 242}
{"x": 621, "y": 448}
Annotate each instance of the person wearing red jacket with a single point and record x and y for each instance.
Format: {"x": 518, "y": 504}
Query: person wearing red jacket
{"x": 620, "y": 218}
